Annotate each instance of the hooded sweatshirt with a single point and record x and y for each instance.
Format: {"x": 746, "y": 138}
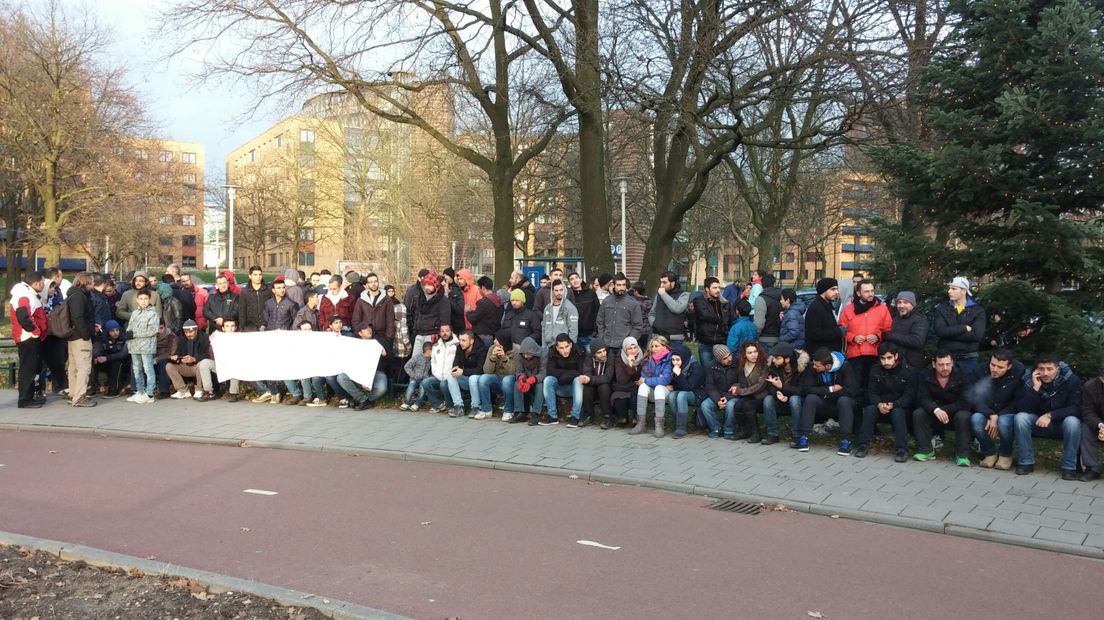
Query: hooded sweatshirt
{"x": 471, "y": 294}
{"x": 486, "y": 318}
{"x": 28, "y": 317}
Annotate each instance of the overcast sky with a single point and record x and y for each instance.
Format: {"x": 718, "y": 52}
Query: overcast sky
{"x": 183, "y": 111}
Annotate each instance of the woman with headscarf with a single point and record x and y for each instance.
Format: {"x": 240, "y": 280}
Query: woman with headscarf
{"x": 655, "y": 375}
{"x": 626, "y": 381}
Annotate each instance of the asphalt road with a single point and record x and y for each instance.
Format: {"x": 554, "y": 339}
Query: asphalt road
{"x": 437, "y": 541}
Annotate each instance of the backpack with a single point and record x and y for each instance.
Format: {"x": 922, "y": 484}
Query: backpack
{"x": 59, "y": 324}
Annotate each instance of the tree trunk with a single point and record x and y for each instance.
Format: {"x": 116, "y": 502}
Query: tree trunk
{"x": 592, "y": 170}
{"x": 660, "y": 241}
{"x": 502, "y": 194}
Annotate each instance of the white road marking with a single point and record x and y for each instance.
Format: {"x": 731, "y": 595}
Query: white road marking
{"x": 259, "y": 492}
{"x": 591, "y": 543}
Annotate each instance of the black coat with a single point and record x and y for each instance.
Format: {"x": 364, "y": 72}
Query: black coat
{"x": 586, "y": 302}
{"x": 821, "y": 328}
{"x": 897, "y": 386}
{"x": 950, "y": 327}
{"x": 565, "y": 369}
{"x": 910, "y": 333}
{"x": 471, "y": 363}
{"x": 522, "y": 324}
{"x": 430, "y": 314}
{"x": 251, "y": 316}
{"x": 930, "y": 395}
{"x": 81, "y": 314}
{"x": 712, "y": 320}
{"x": 220, "y": 305}
{"x": 202, "y": 347}
{"x": 718, "y": 378}
{"x": 819, "y": 383}
{"x": 997, "y": 396}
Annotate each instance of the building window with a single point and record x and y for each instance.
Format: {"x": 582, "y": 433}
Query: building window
{"x": 786, "y": 274}
{"x": 187, "y": 220}
{"x": 164, "y": 241}
{"x": 307, "y": 210}
{"x": 790, "y": 257}
{"x": 306, "y": 190}
{"x": 306, "y": 234}
{"x": 306, "y": 258}
{"x": 164, "y": 156}
{"x": 189, "y": 192}
{"x": 190, "y": 178}
{"x": 188, "y": 241}
{"x": 272, "y": 260}
{"x": 141, "y": 154}
{"x": 188, "y": 261}
{"x": 306, "y": 135}
{"x": 164, "y": 219}
{"x": 188, "y": 158}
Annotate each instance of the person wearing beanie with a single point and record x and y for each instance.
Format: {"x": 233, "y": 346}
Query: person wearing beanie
{"x": 499, "y": 368}
{"x": 486, "y": 315}
{"x": 597, "y": 381}
{"x": 909, "y": 330}
{"x": 111, "y": 358}
{"x": 518, "y": 282}
{"x": 821, "y": 329}
{"x": 722, "y": 378}
{"x": 192, "y": 358}
{"x": 431, "y": 310}
{"x": 788, "y": 374}
{"x": 603, "y": 283}
{"x": 520, "y": 321}
{"x": 960, "y": 325}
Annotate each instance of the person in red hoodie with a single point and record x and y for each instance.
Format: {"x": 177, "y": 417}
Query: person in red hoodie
{"x": 866, "y": 319}
{"x": 337, "y": 301}
{"x": 28, "y": 330}
{"x": 469, "y": 291}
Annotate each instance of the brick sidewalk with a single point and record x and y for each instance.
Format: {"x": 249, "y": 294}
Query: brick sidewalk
{"x": 1039, "y": 510}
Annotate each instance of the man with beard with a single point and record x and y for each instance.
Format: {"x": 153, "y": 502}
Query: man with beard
{"x": 909, "y": 330}
{"x": 891, "y": 394}
{"x": 768, "y": 308}
{"x": 560, "y": 316}
{"x": 619, "y": 315}
{"x": 431, "y": 310}
{"x": 485, "y": 316}
{"x": 586, "y": 302}
{"x": 518, "y": 282}
{"x": 668, "y": 314}
{"x": 712, "y": 318}
{"x": 866, "y": 319}
{"x": 376, "y": 309}
{"x": 221, "y": 306}
{"x": 821, "y": 329}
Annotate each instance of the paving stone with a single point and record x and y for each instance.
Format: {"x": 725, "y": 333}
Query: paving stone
{"x": 1062, "y": 536}
{"x": 1016, "y": 528}
{"x": 924, "y": 512}
{"x": 1066, "y": 515}
{"x": 967, "y": 519}
{"x": 1085, "y": 528}
{"x": 1039, "y": 520}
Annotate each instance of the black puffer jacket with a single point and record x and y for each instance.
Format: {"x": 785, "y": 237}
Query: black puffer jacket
{"x": 220, "y": 305}
{"x": 997, "y": 396}
{"x": 712, "y": 318}
{"x": 950, "y": 327}
{"x": 897, "y": 386}
{"x": 251, "y": 315}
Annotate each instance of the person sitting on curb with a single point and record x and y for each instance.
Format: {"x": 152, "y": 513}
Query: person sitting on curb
{"x": 626, "y": 380}
{"x": 191, "y": 359}
{"x": 529, "y": 397}
{"x": 891, "y": 393}
{"x": 562, "y": 372}
{"x": 720, "y": 383}
{"x": 831, "y": 394}
{"x": 994, "y": 396}
{"x": 941, "y": 400}
{"x": 416, "y": 369}
{"x": 597, "y": 380}
{"x": 499, "y": 368}
{"x": 1092, "y": 425}
{"x": 688, "y": 379}
{"x": 470, "y": 355}
{"x": 655, "y": 384}
{"x": 440, "y": 369}
{"x": 1050, "y": 406}
{"x": 787, "y": 376}
{"x": 751, "y": 389}
{"x": 363, "y": 397}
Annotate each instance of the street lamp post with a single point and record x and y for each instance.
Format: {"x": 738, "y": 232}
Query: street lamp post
{"x": 231, "y": 191}
{"x": 624, "y": 182}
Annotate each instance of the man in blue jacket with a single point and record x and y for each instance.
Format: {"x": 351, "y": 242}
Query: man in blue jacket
{"x": 1049, "y": 406}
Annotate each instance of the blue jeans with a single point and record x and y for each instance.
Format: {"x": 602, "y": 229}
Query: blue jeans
{"x": 770, "y": 413}
{"x": 272, "y": 387}
{"x": 705, "y": 354}
{"x": 411, "y": 389}
{"x": 898, "y": 417}
{"x": 456, "y": 387}
{"x": 515, "y": 396}
{"x": 680, "y": 401}
{"x": 1069, "y": 430}
{"x": 968, "y": 366}
{"x": 357, "y": 394}
{"x": 311, "y": 387}
{"x": 553, "y": 388}
{"x": 584, "y": 342}
{"x": 1005, "y": 430}
{"x": 434, "y": 390}
{"x": 336, "y": 388}
{"x": 482, "y": 388}
{"x": 162, "y": 376}
{"x": 141, "y": 370}
{"x": 709, "y": 410}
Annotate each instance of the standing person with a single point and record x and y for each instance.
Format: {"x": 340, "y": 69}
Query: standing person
{"x": 601, "y": 286}
{"x": 294, "y": 291}
{"x": 831, "y": 394}
{"x": 279, "y": 310}
{"x": 254, "y": 296}
{"x": 688, "y": 385}
{"x": 485, "y": 317}
{"x": 142, "y": 344}
{"x": 55, "y": 350}
{"x": 866, "y": 320}
{"x": 222, "y": 305}
{"x": 909, "y": 330}
{"x": 560, "y": 316}
{"x": 431, "y": 310}
{"x": 520, "y": 321}
{"x": 544, "y": 293}
{"x": 375, "y": 308}
{"x": 995, "y": 396}
{"x": 199, "y": 299}
{"x": 668, "y": 314}
{"x": 712, "y": 317}
{"x": 586, "y": 303}
{"x": 941, "y": 399}
{"x": 733, "y": 292}
{"x": 28, "y": 330}
{"x": 891, "y": 393}
{"x": 402, "y": 340}
{"x": 597, "y": 381}
{"x": 768, "y": 308}
{"x": 309, "y": 312}
{"x": 172, "y": 311}
{"x": 821, "y": 329}
{"x": 743, "y": 328}
{"x": 101, "y": 305}
{"x": 79, "y": 303}
{"x": 626, "y": 381}
{"x": 960, "y": 325}
{"x": 562, "y": 371}
{"x": 1050, "y": 406}
{"x": 455, "y": 299}
{"x": 410, "y": 300}
{"x": 1092, "y": 425}
{"x": 757, "y": 286}
{"x": 518, "y": 282}
{"x": 128, "y": 302}
{"x": 619, "y": 316}
{"x": 337, "y": 301}
{"x": 792, "y": 331}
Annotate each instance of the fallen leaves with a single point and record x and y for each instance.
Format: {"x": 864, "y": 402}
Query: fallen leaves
{"x": 426, "y": 522}
{"x": 814, "y": 614}
{"x": 779, "y": 508}
{"x": 574, "y": 476}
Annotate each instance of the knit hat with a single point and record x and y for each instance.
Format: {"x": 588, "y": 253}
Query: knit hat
{"x": 190, "y": 324}
{"x": 450, "y": 272}
{"x": 430, "y": 279}
{"x": 908, "y": 296}
{"x": 824, "y": 284}
{"x": 782, "y": 349}
{"x": 141, "y": 273}
{"x": 720, "y": 351}
{"x": 604, "y": 279}
{"x": 960, "y": 282}
{"x": 110, "y": 325}
{"x": 597, "y": 344}
{"x": 363, "y": 326}
{"x": 517, "y": 295}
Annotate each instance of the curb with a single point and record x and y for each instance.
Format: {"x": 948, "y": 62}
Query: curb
{"x": 675, "y": 487}
{"x": 329, "y": 607}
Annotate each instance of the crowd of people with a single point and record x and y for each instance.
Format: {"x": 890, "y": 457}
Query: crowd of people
{"x": 461, "y": 344}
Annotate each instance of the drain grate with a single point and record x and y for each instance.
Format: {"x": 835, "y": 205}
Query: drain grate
{"x": 730, "y": 505}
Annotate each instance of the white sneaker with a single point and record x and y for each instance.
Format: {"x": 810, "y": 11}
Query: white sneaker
{"x": 412, "y": 408}
{"x": 482, "y": 415}
{"x": 343, "y": 404}
{"x": 318, "y": 402}
{"x": 147, "y": 399}
{"x": 180, "y": 394}
{"x": 263, "y": 398}
{"x": 133, "y": 398}
{"x": 507, "y": 416}
{"x": 404, "y": 407}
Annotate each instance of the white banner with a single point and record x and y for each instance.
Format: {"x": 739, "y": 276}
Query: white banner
{"x": 284, "y": 355}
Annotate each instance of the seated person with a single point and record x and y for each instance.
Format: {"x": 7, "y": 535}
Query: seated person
{"x": 626, "y": 381}
{"x": 891, "y": 393}
{"x": 498, "y": 376}
{"x": 363, "y": 397}
{"x": 307, "y": 391}
{"x": 111, "y": 358}
{"x": 1092, "y": 425}
{"x": 688, "y": 381}
{"x": 721, "y": 382}
{"x": 831, "y": 394}
{"x": 941, "y": 402}
{"x": 994, "y": 397}
{"x": 751, "y": 389}
{"x": 597, "y": 380}
{"x": 416, "y": 369}
{"x": 789, "y": 372}
{"x": 562, "y": 372}
{"x": 1050, "y": 406}
{"x": 192, "y": 359}
{"x": 468, "y": 363}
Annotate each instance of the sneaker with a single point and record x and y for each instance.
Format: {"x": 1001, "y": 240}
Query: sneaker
{"x": 84, "y": 402}
{"x": 148, "y": 398}
{"x": 412, "y": 408}
{"x": 507, "y": 416}
{"x": 363, "y": 405}
{"x": 343, "y": 403}
{"x": 844, "y": 448}
{"x": 439, "y": 408}
{"x": 714, "y": 434}
{"x": 924, "y": 456}
{"x": 534, "y": 419}
{"x": 678, "y": 434}
{"x": 294, "y": 400}
{"x": 318, "y": 402}
{"x": 586, "y": 421}
{"x": 404, "y": 407}
{"x": 861, "y": 452}
{"x": 202, "y": 397}
{"x": 233, "y": 398}
{"x": 275, "y": 399}
{"x": 181, "y": 394}
{"x": 263, "y": 398}
{"x": 769, "y": 440}
{"x": 988, "y": 462}
{"x": 456, "y": 412}
{"x": 803, "y": 444}
{"x": 573, "y": 422}
{"x": 1004, "y": 463}
{"x": 482, "y": 415}
{"x": 937, "y": 442}
{"x": 962, "y": 461}
{"x": 133, "y": 398}
{"x": 547, "y": 420}
{"x": 901, "y": 456}
{"x": 111, "y": 394}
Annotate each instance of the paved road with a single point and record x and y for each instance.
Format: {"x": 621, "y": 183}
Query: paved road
{"x": 1039, "y": 510}
{"x": 438, "y": 541}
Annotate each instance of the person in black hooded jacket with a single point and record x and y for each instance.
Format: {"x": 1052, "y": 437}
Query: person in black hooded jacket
{"x": 994, "y": 396}
{"x": 688, "y": 379}
{"x": 597, "y": 380}
{"x": 891, "y": 391}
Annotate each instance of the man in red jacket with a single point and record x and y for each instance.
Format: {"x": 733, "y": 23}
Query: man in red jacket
{"x": 28, "y": 325}
{"x": 865, "y": 320}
